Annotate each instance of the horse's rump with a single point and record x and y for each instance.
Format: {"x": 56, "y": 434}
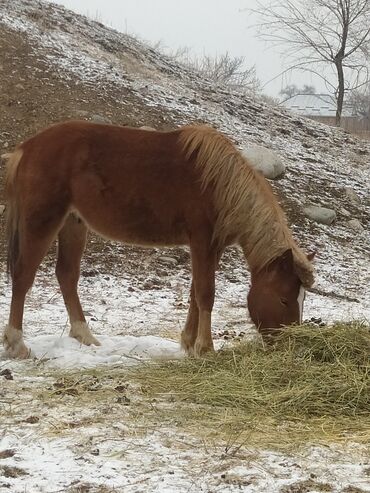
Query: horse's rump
{"x": 12, "y": 212}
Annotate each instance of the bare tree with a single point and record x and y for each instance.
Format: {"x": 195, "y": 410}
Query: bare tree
{"x": 359, "y": 100}
{"x": 321, "y": 35}
{"x": 291, "y": 90}
{"x": 224, "y": 69}
{"x": 228, "y": 70}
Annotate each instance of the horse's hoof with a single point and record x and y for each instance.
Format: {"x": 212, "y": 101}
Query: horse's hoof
{"x": 200, "y": 349}
{"x": 18, "y": 351}
{"x": 92, "y": 341}
{"x": 81, "y": 332}
{"x": 86, "y": 339}
{"x": 187, "y": 345}
{"x": 13, "y": 343}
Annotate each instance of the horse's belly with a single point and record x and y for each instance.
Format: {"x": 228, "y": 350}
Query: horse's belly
{"x": 143, "y": 209}
{"x": 139, "y": 225}
{"x": 152, "y": 234}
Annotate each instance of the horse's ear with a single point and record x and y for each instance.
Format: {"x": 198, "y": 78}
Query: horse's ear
{"x": 287, "y": 259}
{"x": 286, "y": 262}
{"x": 311, "y": 255}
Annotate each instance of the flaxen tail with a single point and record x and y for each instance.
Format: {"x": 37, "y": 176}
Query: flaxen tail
{"x": 12, "y": 210}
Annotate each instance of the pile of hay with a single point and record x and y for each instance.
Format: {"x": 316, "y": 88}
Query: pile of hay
{"x": 312, "y": 385}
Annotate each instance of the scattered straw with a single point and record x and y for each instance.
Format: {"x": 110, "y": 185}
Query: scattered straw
{"x": 312, "y": 385}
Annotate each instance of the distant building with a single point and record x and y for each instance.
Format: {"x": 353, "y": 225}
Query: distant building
{"x": 322, "y": 107}
{"x": 315, "y": 106}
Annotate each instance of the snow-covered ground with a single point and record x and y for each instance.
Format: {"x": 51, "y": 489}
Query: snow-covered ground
{"x": 118, "y": 461}
{"x": 65, "y": 445}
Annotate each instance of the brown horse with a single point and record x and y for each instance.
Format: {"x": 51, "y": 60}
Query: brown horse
{"x": 186, "y": 187}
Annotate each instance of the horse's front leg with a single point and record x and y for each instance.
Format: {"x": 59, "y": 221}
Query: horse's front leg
{"x": 190, "y": 332}
{"x": 204, "y": 261}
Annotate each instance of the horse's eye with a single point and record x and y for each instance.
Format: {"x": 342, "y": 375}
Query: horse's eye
{"x": 283, "y": 301}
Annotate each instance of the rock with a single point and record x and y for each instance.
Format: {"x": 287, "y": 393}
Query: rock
{"x": 170, "y": 261}
{"x": 351, "y": 195}
{"x": 20, "y": 87}
{"x": 100, "y": 119}
{"x": 2, "y": 209}
{"x": 86, "y": 115}
{"x": 355, "y": 225}
{"x": 82, "y": 114}
{"x": 265, "y": 161}
{"x": 5, "y": 454}
{"x": 32, "y": 420}
{"x": 319, "y": 214}
{"x": 144, "y": 127}
{"x": 344, "y": 212}
{"x": 7, "y": 374}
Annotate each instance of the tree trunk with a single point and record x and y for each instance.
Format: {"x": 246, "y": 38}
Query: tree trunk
{"x": 340, "y": 92}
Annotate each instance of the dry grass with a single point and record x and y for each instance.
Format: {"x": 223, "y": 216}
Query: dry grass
{"x": 311, "y": 386}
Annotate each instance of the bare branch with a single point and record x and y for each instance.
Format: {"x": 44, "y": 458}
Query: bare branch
{"x": 319, "y": 33}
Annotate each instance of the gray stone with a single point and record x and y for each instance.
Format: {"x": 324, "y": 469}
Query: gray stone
{"x": 86, "y": 115}
{"x": 320, "y": 214}
{"x": 170, "y": 261}
{"x": 265, "y": 161}
{"x": 351, "y": 195}
{"x": 145, "y": 127}
{"x": 82, "y": 114}
{"x": 344, "y": 212}
{"x": 355, "y": 225}
{"x": 100, "y": 119}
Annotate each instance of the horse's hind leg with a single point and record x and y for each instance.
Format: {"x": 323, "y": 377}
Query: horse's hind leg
{"x": 34, "y": 242}
{"x": 71, "y": 245}
{"x": 190, "y": 332}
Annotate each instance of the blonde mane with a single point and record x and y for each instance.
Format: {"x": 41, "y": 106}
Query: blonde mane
{"x": 246, "y": 206}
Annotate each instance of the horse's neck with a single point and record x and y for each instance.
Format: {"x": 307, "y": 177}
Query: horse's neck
{"x": 264, "y": 244}
{"x": 268, "y": 246}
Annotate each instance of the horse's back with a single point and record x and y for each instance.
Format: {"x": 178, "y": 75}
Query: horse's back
{"x": 129, "y": 184}
{"x": 107, "y": 139}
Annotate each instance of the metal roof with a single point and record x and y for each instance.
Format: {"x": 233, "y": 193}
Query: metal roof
{"x": 314, "y": 105}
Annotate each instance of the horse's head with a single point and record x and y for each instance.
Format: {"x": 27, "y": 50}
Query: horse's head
{"x": 276, "y": 296}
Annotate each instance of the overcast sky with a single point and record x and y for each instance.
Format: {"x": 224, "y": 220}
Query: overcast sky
{"x": 206, "y": 26}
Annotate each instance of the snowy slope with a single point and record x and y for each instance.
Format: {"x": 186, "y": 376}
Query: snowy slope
{"x": 322, "y": 162}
